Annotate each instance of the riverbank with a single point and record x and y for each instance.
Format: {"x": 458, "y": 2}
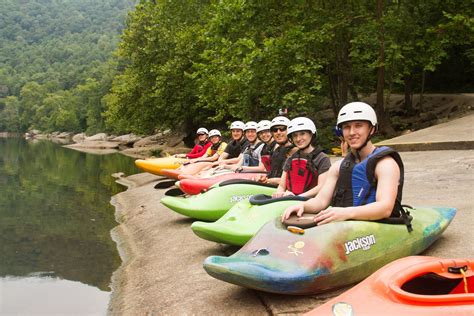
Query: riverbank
{"x": 162, "y": 272}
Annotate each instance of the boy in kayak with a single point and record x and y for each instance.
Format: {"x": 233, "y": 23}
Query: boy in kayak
{"x": 367, "y": 184}
{"x": 265, "y": 136}
{"x": 280, "y": 153}
{"x": 201, "y": 146}
{"x": 304, "y": 173}
{"x": 249, "y": 158}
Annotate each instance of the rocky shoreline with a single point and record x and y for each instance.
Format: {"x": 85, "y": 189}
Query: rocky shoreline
{"x": 132, "y": 145}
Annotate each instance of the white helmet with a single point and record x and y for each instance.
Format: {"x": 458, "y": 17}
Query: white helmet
{"x": 356, "y": 111}
{"x": 250, "y": 125}
{"x": 280, "y": 120}
{"x": 301, "y": 124}
{"x": 214, "y": 132}
{"x": 202, "y": 130}
{"x": 263, "y": 125}
{"x": 237, "y": 125}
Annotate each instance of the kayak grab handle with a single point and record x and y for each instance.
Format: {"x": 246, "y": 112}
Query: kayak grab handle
{"x": 262, "y": 199}
{"x": 245, "y": 181}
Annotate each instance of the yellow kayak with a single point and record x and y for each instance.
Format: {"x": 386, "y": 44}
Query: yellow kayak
{"x": 155, "y": 165}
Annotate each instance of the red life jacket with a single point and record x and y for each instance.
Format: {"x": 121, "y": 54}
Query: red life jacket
{"x": 265, "y": 155}
{"x": 302, "y": 175}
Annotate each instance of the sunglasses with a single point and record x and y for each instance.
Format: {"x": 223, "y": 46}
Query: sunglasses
{"x": 276, "y": 129}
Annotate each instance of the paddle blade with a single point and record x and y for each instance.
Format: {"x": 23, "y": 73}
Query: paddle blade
{"x": 174, "y": 192}
{"x": 165, "y": 184}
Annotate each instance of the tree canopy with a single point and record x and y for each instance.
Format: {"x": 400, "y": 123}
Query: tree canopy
{"x": 187, "y": 63}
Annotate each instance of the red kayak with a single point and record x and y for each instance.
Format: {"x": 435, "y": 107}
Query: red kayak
{"x": 414, "y": 285}
{"x": 196, "y": 186}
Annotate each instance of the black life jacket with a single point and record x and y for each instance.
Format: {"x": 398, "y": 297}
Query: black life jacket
{"x": 214, "y": 148}
{"x": 302, "y": 175}
{"x": 357, "y": 185}
{"x": 277, "y": 160}
{"x": 266, "y": 154}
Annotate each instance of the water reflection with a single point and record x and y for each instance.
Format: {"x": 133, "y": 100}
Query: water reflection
{"x": 26, "y": 296}
{"x": 55, "y": 213}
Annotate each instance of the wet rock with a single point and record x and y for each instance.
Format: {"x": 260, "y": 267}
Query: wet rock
{"x": 78, "y": 138}
{"x": 97, "y": 137}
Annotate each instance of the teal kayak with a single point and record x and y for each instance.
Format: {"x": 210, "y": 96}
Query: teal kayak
{"x": 244, "y": 219}
{"x": 214, "y": 203}
{"x": 328, "y": 256}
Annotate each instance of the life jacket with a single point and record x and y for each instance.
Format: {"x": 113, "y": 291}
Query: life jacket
{"x": 357, "y": 185}
{"x": 250, "y": 155}
{"x": 277, "y": 160}
{"x": 302, "y": 174}
{"x": 266, "y": 154}
{"x": 215, "y": 147}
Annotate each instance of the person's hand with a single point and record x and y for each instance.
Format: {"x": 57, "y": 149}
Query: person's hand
{"x": 277, "y": 194}
{"x": 332, "y": 214}
{"x": 288, "y": 193}
{"x": 261, "y": 178}
{"x": 298, "y": 209}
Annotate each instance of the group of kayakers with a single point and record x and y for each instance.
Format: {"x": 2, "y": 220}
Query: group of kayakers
{"x": 366, "y": 185}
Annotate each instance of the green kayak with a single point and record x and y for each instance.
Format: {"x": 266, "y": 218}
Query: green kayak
{"x": 327, "y": 256}
{"x": 212, "y": 204}
{"x": 243, "y": 220}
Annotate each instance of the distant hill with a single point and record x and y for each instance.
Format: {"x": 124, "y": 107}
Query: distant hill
{"x": 56, "y": 42}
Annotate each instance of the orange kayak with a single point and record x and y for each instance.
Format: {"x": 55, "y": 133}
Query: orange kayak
{"x": 170, "y": 173}
{"x": 413, "y": 285}
{"x": 196, "y": 186}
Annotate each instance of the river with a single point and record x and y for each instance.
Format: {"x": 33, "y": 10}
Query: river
{"x": 57, "y": 255}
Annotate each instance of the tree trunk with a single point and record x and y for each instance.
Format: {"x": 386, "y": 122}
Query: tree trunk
{"x": 385, "y": 126}
{"x": 423, "y": 74}
{"x": 408, "y": 80}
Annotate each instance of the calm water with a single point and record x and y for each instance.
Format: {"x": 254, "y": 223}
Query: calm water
{"x": 56, "y": 253}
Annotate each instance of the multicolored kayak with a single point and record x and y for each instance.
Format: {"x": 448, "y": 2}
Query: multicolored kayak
{"x": 155, "y": 165}
{"x": 244, "y": 219}
{"x": 212, "y": 204}
{"x": 196, "y": 186}
{"x": 327, "y": 256}
{"x": 422, "y": 286}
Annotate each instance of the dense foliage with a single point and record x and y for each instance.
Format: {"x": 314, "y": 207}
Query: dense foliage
{"x": 187, "y": 63}
{"x": 55, "y": 62}
{"x": 197, "y": 62}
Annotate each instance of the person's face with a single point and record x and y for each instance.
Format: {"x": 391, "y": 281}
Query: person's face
{"x": 251, "y": 135}
{"x": 265, "y": 135}
{"x": 356, "y": 133}
{"x": 279, "y": 134}
{"x": 301, "y": 139}
{"x": 215, "y": 139}
{"x": 236, "y": 134}
{"x": 202, "y": 137}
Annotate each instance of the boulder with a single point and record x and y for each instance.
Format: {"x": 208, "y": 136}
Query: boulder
{"x": 64, "y": 135}
{"x": 79, "y": 138}
{"x": 148, "y": 141}
{"x": 127, "y": 139}
{"x": 97, "y": 137}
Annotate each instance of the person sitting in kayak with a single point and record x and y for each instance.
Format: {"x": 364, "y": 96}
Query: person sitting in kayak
{"x": 269, "y": 144}
{"x": 367, "y": 184}
{"x": 304, "y": 173}
{"x": 280, "y": 153}
{"x": 249, "y": 158}
{"x": 230, "y": 154}
{"x": 235, "y": 146}
{"x": 214, "y": 151}
{"x": 201, "y": 146}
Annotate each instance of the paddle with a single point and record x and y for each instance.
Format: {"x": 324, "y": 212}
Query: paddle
{"x": 174, "y": 192}
{"x": 165, "y": 184}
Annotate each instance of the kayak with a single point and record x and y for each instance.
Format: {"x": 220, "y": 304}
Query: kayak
{"x": 187, "y": 170}
{"x": 196, "y": 186}
{"x": 155, "y": 165}
{"x": 422, "y": 286}
{"x": 325, "y": 257}
{"x": 170, "y": 173}
{"x": 244, "y": 219}
{"x": 212, "y": 204}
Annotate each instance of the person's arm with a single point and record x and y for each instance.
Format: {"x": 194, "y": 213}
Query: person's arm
{"x": 387, "y": 174}
{"x": 314, "y": 191}
{"x": 281, "y": 186}
{"x": 322, "y": 200}
{"x": 196, "y": 153}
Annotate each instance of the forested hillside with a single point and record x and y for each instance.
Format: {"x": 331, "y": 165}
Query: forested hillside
{"x": 55, "y": 61}
{"x": 188, "y": 63}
